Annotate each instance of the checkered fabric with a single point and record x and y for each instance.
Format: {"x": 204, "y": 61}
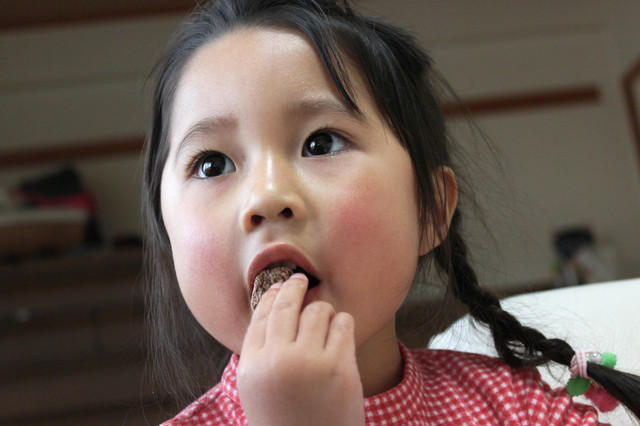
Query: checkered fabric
{"x": 439, "y": 387}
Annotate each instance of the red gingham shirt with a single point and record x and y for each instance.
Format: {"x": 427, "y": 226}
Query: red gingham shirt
{"x": 439, "y": 387}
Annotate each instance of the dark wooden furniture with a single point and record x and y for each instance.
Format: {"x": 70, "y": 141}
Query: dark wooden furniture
{"x": 72, "y": 345}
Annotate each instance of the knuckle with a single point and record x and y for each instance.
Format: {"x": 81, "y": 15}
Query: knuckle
{"x": 283, "y": 304}
{"x": 259, "y": 315}
{"x": 343, "y": 322}
{"x": 320, "y": 307}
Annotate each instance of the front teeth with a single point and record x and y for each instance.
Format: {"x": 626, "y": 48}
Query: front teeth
{"x": 285, "y": 263}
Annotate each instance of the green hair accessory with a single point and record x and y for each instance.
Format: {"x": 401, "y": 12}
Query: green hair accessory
{"x": 581, "y": 384}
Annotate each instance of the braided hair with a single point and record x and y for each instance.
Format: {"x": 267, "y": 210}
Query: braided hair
{"x": 517, "y": 344}
{"x": 405, "y": 88}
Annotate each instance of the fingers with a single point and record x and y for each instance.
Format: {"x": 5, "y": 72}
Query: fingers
{"x": 283, "y": 318}
{"x": 255, "y": 337}
{"x": 340, "y": 338}
{"x": 276, "y": 316}
{"x": 280, "y": 319}
{"x": 314, "y": 324}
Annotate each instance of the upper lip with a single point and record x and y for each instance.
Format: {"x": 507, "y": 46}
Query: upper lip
{"x": 277, "y": 253}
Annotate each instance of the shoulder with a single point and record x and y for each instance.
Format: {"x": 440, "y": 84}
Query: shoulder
{"x": 489, "y": 386}
{"x": 454, "y": 360}
{"x": 210, "y": 407}
{"x": 469, "y": 369}
{"x": 219, "y": 406}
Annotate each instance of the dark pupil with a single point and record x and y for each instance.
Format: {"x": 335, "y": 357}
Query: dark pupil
{"x": 213, "y": 165}
{"x": 320, "y": 144}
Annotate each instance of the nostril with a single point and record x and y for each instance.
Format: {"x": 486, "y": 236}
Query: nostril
{"x": 256, "y": 220}
{"x": 286, "y": 213}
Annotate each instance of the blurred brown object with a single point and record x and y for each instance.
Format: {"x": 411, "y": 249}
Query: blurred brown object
{"x": 30, "y": 233}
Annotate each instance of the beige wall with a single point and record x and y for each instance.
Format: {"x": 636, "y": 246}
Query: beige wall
{"x": 573, "y": 165}
{"x": 564, "y": 166}
{"x": 61, "y": 85}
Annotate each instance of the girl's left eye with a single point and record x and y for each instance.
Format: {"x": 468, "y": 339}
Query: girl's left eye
{"x": 323, "y": 143}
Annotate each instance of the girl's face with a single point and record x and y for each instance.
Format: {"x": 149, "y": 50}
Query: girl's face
{"x": 266, "y": 164}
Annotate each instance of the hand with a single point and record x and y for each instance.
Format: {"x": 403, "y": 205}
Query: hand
{"x": 298, "y": 366}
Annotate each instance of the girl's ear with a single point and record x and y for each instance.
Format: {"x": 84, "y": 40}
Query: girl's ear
{"x": 445, "y": 186}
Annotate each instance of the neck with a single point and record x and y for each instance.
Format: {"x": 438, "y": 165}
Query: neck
{"x": 380, "y": 362}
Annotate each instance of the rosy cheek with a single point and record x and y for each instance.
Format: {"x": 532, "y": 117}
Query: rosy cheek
{"x": 373, "y": 224}
{"x": 206, "y": 268}
{"x": 356, "y": 219}
{"x": 198, "y": 253}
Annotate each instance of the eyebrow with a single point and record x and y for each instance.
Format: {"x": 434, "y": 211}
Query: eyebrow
{"x": 206, "y": 126}
{"x": 298, "y": 110}
{"x": 306, "y": 108}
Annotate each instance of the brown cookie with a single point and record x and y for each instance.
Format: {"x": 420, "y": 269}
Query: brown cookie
{"x": 266, "y": 279}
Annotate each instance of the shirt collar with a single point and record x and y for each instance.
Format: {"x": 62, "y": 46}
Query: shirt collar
{"x": 403, "y": 400}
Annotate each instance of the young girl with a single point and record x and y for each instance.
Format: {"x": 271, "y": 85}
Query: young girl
{"x": 297, "y": 136}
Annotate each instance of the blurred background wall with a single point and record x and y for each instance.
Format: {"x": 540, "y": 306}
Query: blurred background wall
{"x": 568, "y": 163}
{"x": 573, "y": 163}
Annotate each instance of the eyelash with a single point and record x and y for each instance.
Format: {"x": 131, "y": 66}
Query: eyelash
{"x": 330, "y": 130}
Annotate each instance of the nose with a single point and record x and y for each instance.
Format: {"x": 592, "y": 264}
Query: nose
{"x": 272, "y": 195}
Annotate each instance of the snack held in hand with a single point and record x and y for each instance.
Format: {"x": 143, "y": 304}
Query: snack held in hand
{"x": 265, "y": 280}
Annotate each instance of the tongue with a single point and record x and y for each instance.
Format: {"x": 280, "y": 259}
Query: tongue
{"x": 266, "y": 279}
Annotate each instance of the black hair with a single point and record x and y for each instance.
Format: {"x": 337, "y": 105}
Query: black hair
{"x": 400, "y": 78}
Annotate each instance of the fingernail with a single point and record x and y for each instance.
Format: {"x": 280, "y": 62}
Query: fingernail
{"x": 299, "y": 275}
{"x": 276, "y": 285}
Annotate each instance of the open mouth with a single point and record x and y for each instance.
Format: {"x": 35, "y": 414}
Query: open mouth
{"x": 274, "y": 273}
{"x": 295, "y": 269}
{"x": 313, "y": 281}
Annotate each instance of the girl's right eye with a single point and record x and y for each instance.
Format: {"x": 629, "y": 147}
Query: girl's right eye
{"x": 212, "y": 164}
